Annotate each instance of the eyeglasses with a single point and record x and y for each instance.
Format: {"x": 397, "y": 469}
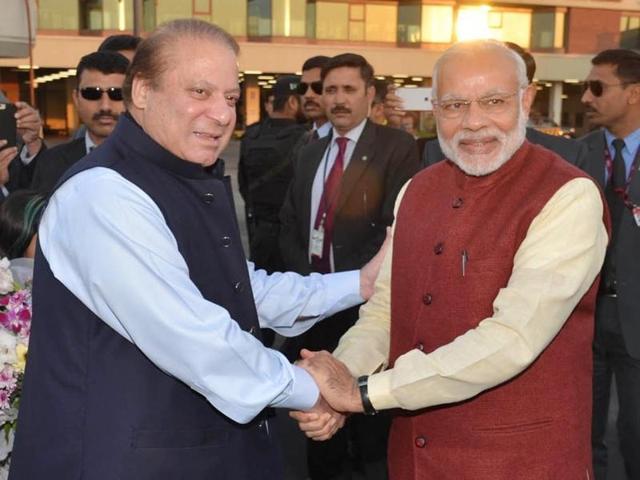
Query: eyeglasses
{"x": 95, "y": 93}
{"x": 491, "y": 104}
{"x": 316, "y": 87}
{"x": 597, "y": 87}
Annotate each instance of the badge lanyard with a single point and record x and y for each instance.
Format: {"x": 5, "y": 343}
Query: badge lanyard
{"x": 623, "y": 192}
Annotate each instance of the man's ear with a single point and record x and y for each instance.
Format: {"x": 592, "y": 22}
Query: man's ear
{"x": 634, "y": 97}
{"x": 528, "y": 97}
{"x": 293, "y": 103}
{"x": 140, "y": 88}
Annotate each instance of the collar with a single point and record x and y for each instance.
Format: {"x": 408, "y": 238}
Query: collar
{"x": 88, "y": 143}
{"x": 130, "y": 135}
{"x": 323, "y": 130}
{"x": 631, "y": 141}
{"x": 353, "y": 134}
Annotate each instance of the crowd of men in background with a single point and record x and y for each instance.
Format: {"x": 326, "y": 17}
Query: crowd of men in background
{"x": 320, "y": 177}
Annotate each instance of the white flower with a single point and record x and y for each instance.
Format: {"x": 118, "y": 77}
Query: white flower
{"x": 6, "y": 278}
{"x": 7, "y": 348}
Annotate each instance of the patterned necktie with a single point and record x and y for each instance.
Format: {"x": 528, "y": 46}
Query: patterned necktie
{"x": 327, "y": 207}
{"x": 619, "y": 177}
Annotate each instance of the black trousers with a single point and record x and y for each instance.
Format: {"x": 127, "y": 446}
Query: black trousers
{"x": 612, "y": 361}
{"x": 359, "y": 450}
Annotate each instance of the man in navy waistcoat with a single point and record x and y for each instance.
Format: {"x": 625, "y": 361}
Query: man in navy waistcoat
{"x": 145, "y": 359}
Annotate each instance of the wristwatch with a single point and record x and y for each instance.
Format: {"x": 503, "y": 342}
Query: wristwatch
{"x": 363, "y": 386}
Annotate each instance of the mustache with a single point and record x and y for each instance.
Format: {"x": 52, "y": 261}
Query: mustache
{"x": 105, "y": 113}
{"x": 340, "y": 109}
{"x": 311, "y": 103}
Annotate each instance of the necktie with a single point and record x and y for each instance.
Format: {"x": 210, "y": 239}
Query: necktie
{"x": 326, "y": 209}
{"x": 614, "y": 192}
{"x": 619, "y": 177}
{"x": 313, "y": 136}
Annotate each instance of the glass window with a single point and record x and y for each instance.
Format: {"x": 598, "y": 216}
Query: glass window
{"x": 59, "y": 14}
{"x": 91, "y": 14}
{"x": 381, "y": 21}
{"x": 543, "y": 29}
{"x": 289, "y": 18}
{"x": 117, "y": 14}
{"x": 332, "y": 21}
{"x": 311, "y": 20}
{"x": 356, "y": 31}
{"x": 259, "y": 18}
{"x": 437, "y": 23}
{"x": 504, "y": 25}
{"x": 230, "y": 15}
{"x": 202, "y": 7}
{"x": 630, "y": 31}
{"x": 167, "y": 11}
{"x": 148, "y": 15}
{"x": 409, "y": 20}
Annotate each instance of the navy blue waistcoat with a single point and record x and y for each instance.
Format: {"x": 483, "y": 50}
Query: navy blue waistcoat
{"x": 94, "y": 406}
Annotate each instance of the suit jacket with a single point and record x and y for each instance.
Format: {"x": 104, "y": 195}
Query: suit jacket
{"x": 383, "y": 160}
{"x": 571, "y": 150}
{"x": 54, "y": 162}
{"x": 627, "y": 244}
{"x": 21, "y": 175}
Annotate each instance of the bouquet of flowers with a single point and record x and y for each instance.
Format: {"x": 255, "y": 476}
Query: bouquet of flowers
{"x": 15, "y": 326}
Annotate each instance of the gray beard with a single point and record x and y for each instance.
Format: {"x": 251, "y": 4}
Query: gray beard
{"x": 479, "y": 167}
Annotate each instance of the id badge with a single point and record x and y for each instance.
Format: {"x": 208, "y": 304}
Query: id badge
{"x": 317, "y": 241}
{"x": 636, "y": 214}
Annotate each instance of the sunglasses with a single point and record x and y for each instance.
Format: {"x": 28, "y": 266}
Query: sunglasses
{"x": 316, "y": 87}
{"x": 597, "y": 87}
{"x": 95, "y": 93}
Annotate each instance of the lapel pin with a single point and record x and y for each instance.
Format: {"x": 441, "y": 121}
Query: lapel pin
{"x": 364, "y": 158}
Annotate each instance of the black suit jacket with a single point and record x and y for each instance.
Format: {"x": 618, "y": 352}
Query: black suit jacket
{"x": 54, "y": 162}
{"x": 628, "y": 244}
{"x": 383, "y": 160}
{"x": 570, "y": 150}
{"x": 21, "y": 175}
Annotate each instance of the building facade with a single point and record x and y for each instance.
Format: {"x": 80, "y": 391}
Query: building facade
{"x": 401, "y": 38}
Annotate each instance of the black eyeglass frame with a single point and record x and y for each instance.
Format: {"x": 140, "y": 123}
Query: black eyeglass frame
{"x": 596, "y": 87}
{"x": 315, "y": 86}
{"x": 95, "y": 93}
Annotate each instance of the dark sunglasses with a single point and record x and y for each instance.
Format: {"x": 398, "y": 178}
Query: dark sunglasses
{"x": 95, "y": 93}
{"x": 597, "y": 87}
{"x": 316, "y": 87}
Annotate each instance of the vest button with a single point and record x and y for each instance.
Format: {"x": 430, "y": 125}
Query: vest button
{"x": 420, "y": 442}
{"x": 238, "y": 287}
{"x": 457, "y": 203}
{"x": 420, "y": 346}
{"x": 438, "y": 248}
{"x": 207, "y": 198}
{"x": 225, "y": 241}
{"x": 427, "y": 299}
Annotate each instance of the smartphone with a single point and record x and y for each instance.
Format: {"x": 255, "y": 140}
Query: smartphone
{"x": 8, "y": 130}
{"x": 415, "y": 99}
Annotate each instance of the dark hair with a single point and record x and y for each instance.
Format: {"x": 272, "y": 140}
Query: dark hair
{"x": 150, "y": 60}
{"x": 318, "y": 61}
{"x": 529, "y": 61}
{"x": 627, "y": 63}
{"x": 381, "y": 87}
{"x": 103, "y": 62}
{"x": 20, "y": 215}
{"x": 352, "y": 60}
{"x": 115, "y": 43}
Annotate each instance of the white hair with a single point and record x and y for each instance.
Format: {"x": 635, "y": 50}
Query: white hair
{"x": 474, "y": 47}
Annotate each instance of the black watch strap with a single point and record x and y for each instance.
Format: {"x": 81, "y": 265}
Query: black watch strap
{"x": 363, "y": 386}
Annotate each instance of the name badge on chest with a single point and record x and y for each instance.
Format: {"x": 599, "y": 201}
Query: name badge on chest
{"x": 317, "y": 241}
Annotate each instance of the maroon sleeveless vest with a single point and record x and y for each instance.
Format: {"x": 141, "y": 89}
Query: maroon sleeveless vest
{"x": 534, "y": 426}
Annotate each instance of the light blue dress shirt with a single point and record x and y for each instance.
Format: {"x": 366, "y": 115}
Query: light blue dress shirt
{"x": 108, "y": 243}
{"x": 631, "y": 144}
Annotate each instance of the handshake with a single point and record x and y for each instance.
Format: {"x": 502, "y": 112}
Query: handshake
{"x": 339, "y": 395}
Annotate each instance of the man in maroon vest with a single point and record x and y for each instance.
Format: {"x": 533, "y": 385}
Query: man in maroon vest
{"x": 482, "y": 320}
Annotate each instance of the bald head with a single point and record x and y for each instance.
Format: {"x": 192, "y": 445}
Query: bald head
{"x": 491, "y": 51}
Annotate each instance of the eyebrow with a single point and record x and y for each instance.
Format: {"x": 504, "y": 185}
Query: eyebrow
{"x": 490, "y": 93}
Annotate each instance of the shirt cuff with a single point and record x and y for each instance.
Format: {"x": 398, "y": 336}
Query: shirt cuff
{"x": 24, "y": 155}
{"x": 379, "y": 390}
{"x": 305, "y": 392}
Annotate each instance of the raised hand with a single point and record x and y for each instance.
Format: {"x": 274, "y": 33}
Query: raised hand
{"x": 29, "y": 125}
{"x": 369, "y": 273}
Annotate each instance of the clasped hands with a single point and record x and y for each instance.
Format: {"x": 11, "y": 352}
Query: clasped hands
{"x": 339, "y": 395}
